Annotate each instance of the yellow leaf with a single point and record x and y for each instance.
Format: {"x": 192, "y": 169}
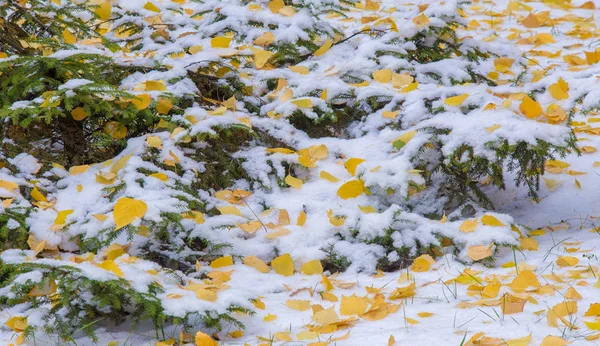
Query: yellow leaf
{"x": 17, "y": 323}
{"x": 425, "y": 314}
{"x": 154, "y": 142}
{"x": 120, "y": 164}
{"x": 115, "y": 129}
{"x": 567, "y": 261}
{"x": 383, "y": 76}
{"x": 351, "y": 165}
{"x": 525, "y": 281}
{"x": 422, "y": 263}
{"x": 141, "y": 101}
{"x": 367, "y": 209}
{"x": 127, "y": 210}
{"x": 282, "y": 336}
{"x": 551, "y": 340}
{"x": 573, "y": 294}
{"x": 261, "y": 56}
{"x": 221, "y": 42}
{"x": 335, "y": 220}
{"x": 528, "y": 244}
{"x": 164, "y": 106}
{"x": 353, "y": 305}
{"x": 530, "y": 108}
{"x": 511, "y": 304}
{"x": 410, "y": 87}
{"x": 111, "y": 266}
{"x": 283, "y": 265}
{"x": 327, "y": 176}
{"x": 565, "y": 308}
{"x": 229, "y": 210}
{"x": 106, "y": 178}
{"x": 47, "y": 289}
{"x": 390, "y": 114}
{"x": 270, "y": 317}
{"x": 75, "y": 170}
{"x": 100, "y": 217}
{"x": 479, "y": 252}
{"x": 114, "y": 251}
{"x": 421, "y": 20}
{"x": 593, "y": 310}
{"x": 103, "y": 11}
{"x": 456, "y": 100}
{"x": 300, "y": 69}
{"x": 8, "y": 185}
{"x": 326, "y": 283}
{"x": 276, "y": 5}
{"x": 351, "y": 189}
{"x": 69, "y": 37}
{"x": 279, "y": 150}
{"x": 595, "y": 325}
{"x": 195, "y": 49}
{"x": 303, "y": 103}
{"x": 411, "y": 321}
{"x": 403, "y": 139}
{"x": 300, "y": 305}
{"x": 224, "y": 261}
{"x": 265, "y": 39}
{"x": 312, "y": 267}
{"x": 391, "y": 341}
{"x": 324, "y": 48}
{"x": 37, "y": 195}
{"x": 151, "y": 7}
{"x": 259, "y": 304}
{"x": 256, "y": 263}
{"x": 559, "y": 90}
{"x": 155, "y": 85}
{"x": 61, "y": 217}
{"x": 301, "y": 218}
{"x": 493, "y": 128}
{"x": 490, "y": 220}
{"x": 78, "y": 114}
{"x": 524, "y": 341}
{"x": 468, "y": 226}
{"x": 202, "y": 339}
{"x": 293, "y": 182}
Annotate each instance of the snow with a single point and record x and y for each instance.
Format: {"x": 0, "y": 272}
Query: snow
{"x": 385, "y": 168}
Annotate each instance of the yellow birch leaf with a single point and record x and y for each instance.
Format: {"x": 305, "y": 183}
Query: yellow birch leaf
{"x": 456, "y": 100}
{"x": 559, "y": 90}
{"x": 69, "y": 37}
{"x": 383, "y": 76}
{"x": 256, "y": 263}
{"x": 327, "y": 176}
{"x": 293, "y": 182}
{"x": 528, "y": 244}
{"x": 593, "y": 310}
{"x": 106, "y": 178}
{"x": 300, "y": 305}
{"x": 151, "y": 7}
{"x": 351, "y": 189}
{"x": 127, "y": 210}
{"x": 283, "y": 265}
{"x": 115, "y": 129}
{"x": 61, "y": 217}
{"x": 493, "y": 128}
{"x": 526, "y": 280}
{"x": 524, "y": 341}
{"x": 411, "y": 321}
{"x": 352, "y": 163}
{"x": 391, "y": 341}
{"x": 276, "y": 5}
{"x": 490, "y": 220}
{"x": 75, "y": 170}
{"x": 279, "y": 150}
{"x": 8, "y": 185}
{"x": 567, "y": 261}
{"x": 270, "y": 317}
{"x": 312, "y": 267}
{"x": 17, "y": 323}
{"x": 37, "y": 195}
{"x": 141, "y": 101}
{"x": 551, "y": 340}
{"x": 164, "y": 106}
{"x": 301, "y": 218}
{"x": 300, "y": 69}
{"x": 422, "y": 263}
{"x": 78, "y": 114}
{"x": 420, "y": 20}
{"x": 335, "y": 220}
{"x": 111, "y": 266}
{"x": 103, "y": 11}
{"x": 202, "y": 339}
{"x": 530, "y": 108}
{"x": 195, "y": 49}
{"x": 478, "y": 252}
{"x": 303, "y": 103}
{"x": 155, "y": 85}
{"x": 468, "y": 226}
{"x": 390, "y": 114}
{"x": 324, "y": 48}
{"x": 282, "y": 336}
{"x": 154, "y": 142}
{"x": 326, "y": 283}
{"x": 353, "y": 305}
{"x": 261, "y": 57}
{"x": 229, "y": 210}
{"x": 265, "y": 39}
{"x": 224, "y": 261}
{"x": 367, "y": 209}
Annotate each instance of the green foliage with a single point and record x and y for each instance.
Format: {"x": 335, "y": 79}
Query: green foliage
{"x": 14, "y": 231}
